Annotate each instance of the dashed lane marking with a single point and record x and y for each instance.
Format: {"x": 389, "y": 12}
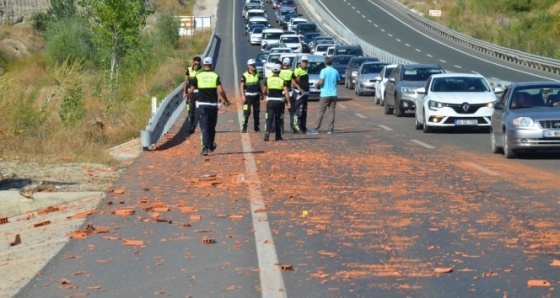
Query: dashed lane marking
{"x": 423, "y": 144}
{"x": 342, "y": 106}
{"x": 387, "y": 128}
{"x": 482, "y": 169}
{"x": 361, "y": 116}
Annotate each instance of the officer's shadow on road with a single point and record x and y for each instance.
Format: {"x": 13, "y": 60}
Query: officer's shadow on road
{"x": 177, "y": 139}
{"x": 237, "y": 153}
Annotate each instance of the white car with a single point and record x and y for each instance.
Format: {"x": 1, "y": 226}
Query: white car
{"x": 380, "y": 82}
{"x": 255, "y": 36}
{"x": 256, "y": 13}
{"x": 273, "y": 58}
{"x": 455, "y": 100}
{"x": 271, "y": 35}
{"x": 295, "y": 21}
{"x": 321, "y": 49}
{"x": 293, "y": 41}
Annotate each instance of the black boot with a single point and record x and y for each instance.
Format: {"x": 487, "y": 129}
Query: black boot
{"x": 266, "y": 136}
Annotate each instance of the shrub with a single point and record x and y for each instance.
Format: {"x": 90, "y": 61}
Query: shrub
{"x": 68, "y": 39}
{"x": 72, "y": 108}
{"x": 168, "y": 29}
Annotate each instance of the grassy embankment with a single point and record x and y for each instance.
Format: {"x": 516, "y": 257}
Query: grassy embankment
{"x": 64, "y": 111}
{"x": 532, "y": 26}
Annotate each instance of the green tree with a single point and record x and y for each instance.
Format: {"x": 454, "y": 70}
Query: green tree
{"x": 168, "y": 29}
{"x": 116, "y": 25}
{"x": 59, "y": 10}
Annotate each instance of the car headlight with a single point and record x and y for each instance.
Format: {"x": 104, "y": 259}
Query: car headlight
{"x": 408, "y": 90}
{"x": 491, "y": 105}
{"x": 523, "y": 122}
{"x": 354, "y": 73}
{"x": 435, "y": 105}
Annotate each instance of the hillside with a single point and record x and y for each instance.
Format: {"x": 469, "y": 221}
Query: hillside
{"x": 20, "y": 11}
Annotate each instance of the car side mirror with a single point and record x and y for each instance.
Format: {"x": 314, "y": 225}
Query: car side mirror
{"x": 392, "y": 80}
{"x": 421, "y": 90}
{"x": 377, "y": 78}
{"x": 498, "y": 106}
{"x": 498, "y": 90}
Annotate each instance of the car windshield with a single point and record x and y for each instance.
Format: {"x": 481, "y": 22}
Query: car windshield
{"x": 261, "y": 57}
{"x": 272, "y": 35}
{"x": 273, "y": 57}
{"x": 291, "y": 39}
{"x": 349, "y": 51}
{"x": 258, "y": 30}
{"x": 340, "y": 60}
{"x": 388, "y": 71}
{"x": 322, "y": 47}
{"x": 356, "y": 63}
{"x": 314, "y": 67}
{"x": 460, "y": 84}
{"x": 536, "y": 96}
{"x": 372, "y": 68}
{"x": 419, "y": 74}
{"x": 306, "y": 28}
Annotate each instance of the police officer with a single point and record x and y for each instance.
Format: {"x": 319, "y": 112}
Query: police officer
{"x": 209, "y": 86}
{"x": 251, "y": 88}
{"x": 298, "y": 112}
{"x": 277, "y": 99}
{"x": 288, "y": 75}
{"x": 191, "y": 107}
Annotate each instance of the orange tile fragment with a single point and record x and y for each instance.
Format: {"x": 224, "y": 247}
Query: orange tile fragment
{"x": 47, "y": 210}
{"x": 119, "y": 191}
{"x": 3, "y": 220}
{"x": 161, "y": 209}
{"x": 188, "y": 209}
{"x": 67, "y": 287}
{"x": 443, "y": 270}
{"x": 555, "y": 263}
{"x": 124, "y": 212}
{"x": 82, "y": 214}
{"x": 80, "y": 272}
{"x": 101, "y": 230}
{"x": 132, "y": 242}
{"x": 538, "y": 283}
{"x": 42, "y": 223}
{"x": 144, "y": 202}
{"x": 195, "y": 217}
{"x": 81, "y": 294}
{"x": 159, "y": 205}
{"x": 235, "y": 216}
{"x": 65, "y": 281}
{"x": 80, "y": 235}
{"x": 16, "y": 241}
{"x": 286, "y": 267}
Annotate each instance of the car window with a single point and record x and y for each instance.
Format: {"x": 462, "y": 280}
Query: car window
{"x": 314, "y": 67}
{"x": 341, "y": 60}
{"x": 535, "y": 96}
{"x": 460, "y": 84}
{"x": 272, "y": 35}
{"x": 291, "y": 39}
{"x": 419, "y": 74}
{"x": 372, "y": 68}
{"x": 388, "y": 71}
{"x": 348, "y": 51}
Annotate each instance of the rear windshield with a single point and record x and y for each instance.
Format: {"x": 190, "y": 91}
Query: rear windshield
{"x": 340, "y": 60}
{"x": 322, "y": 47}
{"x": 289, "y": 39}
{"x": 314, "y": 67}
{"x": 460, "y": 84}
{"x": 388, "y": 71}
{"x": 419, "y": 74}
{"x": 304, "y": 28}
{"x": 372, "y": 68}
{"x": 272, "y": 35}
{"x": 349, "y": 51}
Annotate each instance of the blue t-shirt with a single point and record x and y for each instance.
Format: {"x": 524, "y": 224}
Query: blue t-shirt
{"x": 330, "y": 78}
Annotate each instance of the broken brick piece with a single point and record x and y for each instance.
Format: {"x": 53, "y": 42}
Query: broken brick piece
{"x": 100, "y": 230}
{"x": 81, "y": 215}
{"x": 47, "y": 210}
{"x": 43, "y": 223}
{"x": 124, "y": 212}
{"x": 188, "y": 209}
{"x": 195, "y": 217}
{"x": 65, "y": 281}
{"x": 286, "y": 267}
{"x": 443, "y": 270}
{"x": 109, "y": 203}
{"x": 81, "y": 272}
{"x": 80, "y": 234}
{"x": 67, "y": 287}
{"x": 90, "y": 227}
{"x": 159, "y": 205}
{"x": 3, "y": 220}
{"x": 555, "y": 263}
{"x": 538, "y": 283}
{"x": 161, "y": 219}
{"x": 119, "y": 191}
{"x": 16, "y": 241}
{"x": 144, "y": 202}
{"x": 132, "y": 242}
{"x": 235, "y": 216}
{"x": 208, "y": 240}
{"x": 161, "y": 209}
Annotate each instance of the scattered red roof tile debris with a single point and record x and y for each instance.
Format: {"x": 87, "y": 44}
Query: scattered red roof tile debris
{"x": 235, "y": 216}
{"x": 188, "y": 209}
{"x": 80, "y": 272}
{"x": 80, "y": 234}
{"x": 124, "y": 212}
{"x": 48, "y": 210}
{"x": 65, "y": 281}
{"x": 443, "y": 270}
{"x": 208, "y": 240}
{"x": 42, "y": 223}
{"x": 286, "y": 267}
{"x": 195, "y": 217}
{"x": 538, "y": 283}
{"x": 555, "y": 263}
{"x": 133, "y": 242}
{"x": 3, "y": 220}
{"x": 119, "y": 191}
{"x": 82, "y": 214}
{"x": 144, "y": 202}
{"x": 161, "y": 209}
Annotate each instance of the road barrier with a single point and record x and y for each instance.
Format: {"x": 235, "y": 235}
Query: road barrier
{"x": 167, "y": 113}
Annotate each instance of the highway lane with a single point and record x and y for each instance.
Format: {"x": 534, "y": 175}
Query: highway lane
{"x": 387, "y": 205}
{"x": 374, "y": 21}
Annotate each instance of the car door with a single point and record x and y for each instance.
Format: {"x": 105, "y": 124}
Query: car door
{"x": 390, "y": 87}
{"x": 421, "y": 99}
{"x": 498, "y": 120}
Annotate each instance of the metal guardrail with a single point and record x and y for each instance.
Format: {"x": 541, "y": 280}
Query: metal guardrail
{"x": 167, "y": 113}
{"x": 329, "y": 24}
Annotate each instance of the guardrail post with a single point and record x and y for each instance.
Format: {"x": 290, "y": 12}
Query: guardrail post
{"x": 154, "y": 105}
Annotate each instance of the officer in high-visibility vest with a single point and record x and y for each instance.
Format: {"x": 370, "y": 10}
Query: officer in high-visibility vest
{"x": 277, "y": 100}
{"x": 251, "y": 93}
{"x": 298, "y": 112}
{"x": 209, "y": 86}
{"x": 189, "y": 77}
{"x": 288, "y": 75}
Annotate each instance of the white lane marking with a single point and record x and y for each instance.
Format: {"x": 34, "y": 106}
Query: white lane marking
{"x": 406, "y": 44}
{"x": 390, "y": 35}
{"x": 398, "y": 40}
{"x": 342, "y": 106}
{"x": 482, "y": 169}
{"x": 449, "y": 46}
{"x": 429, "y": 55}
{"x": 375, "y": 25}
{"x": 370, "y": 21}
{"x": 272, "y": 282}
{"x": 458, "y": 66}
{"x": 417, "y": 50}
{"x": 387, "y": 128}
{"x": 422, "y": 144}
{"x": 357, "y": 11}
{"x": 363, "y": 16}
{"x": 442, "y": 61}
{"x": 361, "y": 116}
{"x": 382, "y": 30}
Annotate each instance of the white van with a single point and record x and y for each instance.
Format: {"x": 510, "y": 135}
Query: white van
{"x": 271, "y": 35}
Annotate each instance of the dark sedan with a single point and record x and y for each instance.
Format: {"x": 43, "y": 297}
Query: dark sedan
{"x": 339, "y": 62}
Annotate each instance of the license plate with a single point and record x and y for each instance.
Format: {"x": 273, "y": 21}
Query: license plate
{"x": 551, "y": 133}
{"x": 466, "y": 122}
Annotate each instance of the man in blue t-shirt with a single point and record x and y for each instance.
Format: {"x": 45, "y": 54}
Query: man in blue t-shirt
{"x": 328, "y": 80}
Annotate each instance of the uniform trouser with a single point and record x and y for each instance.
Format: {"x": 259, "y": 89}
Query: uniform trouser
{"x": 208, "y": 118}
{"x": 326, "y": 104}
{"x": 298, "y": 112}
{"x": 251, "y": 102}
{"x": 191, "y": 113}
{"x": 274, "y": 114}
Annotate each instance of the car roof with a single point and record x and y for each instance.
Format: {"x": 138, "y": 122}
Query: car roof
{"x": 258, "y": 19}
{"x": 289, "y": 35}
{"x": 376, "y": 62}
{"x": 535, "y": 83}
{"x": 298, "y": 19}
{"x": 421, "y": 66}
{"x": 458, "y": 74}
{"x": 274, "y": 30}
{"x": 256, "y": 10}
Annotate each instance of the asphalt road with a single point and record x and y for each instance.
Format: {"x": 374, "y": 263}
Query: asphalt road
{"x": 373, "y": 210}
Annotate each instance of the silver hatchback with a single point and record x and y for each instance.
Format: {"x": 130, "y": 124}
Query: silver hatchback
{"x": 526, "y": 118}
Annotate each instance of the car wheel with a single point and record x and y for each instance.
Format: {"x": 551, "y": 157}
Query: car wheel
{"x": 387, "y": 110}
{"x": 398, "y": 111}
{"x": 508, "y": 152}
{"x": 425, "y": 126}
{"x": 417, "y": 124}
{"x": 495, "y": 148}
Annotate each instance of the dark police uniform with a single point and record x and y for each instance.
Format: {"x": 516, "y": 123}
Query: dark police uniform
{"x": 252, "y": 98}
{"x": 191, "y": 106}
{"x": 298, "y": 110}
{"x": 275, "y": 105}
{"x": 207, "y": 82}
